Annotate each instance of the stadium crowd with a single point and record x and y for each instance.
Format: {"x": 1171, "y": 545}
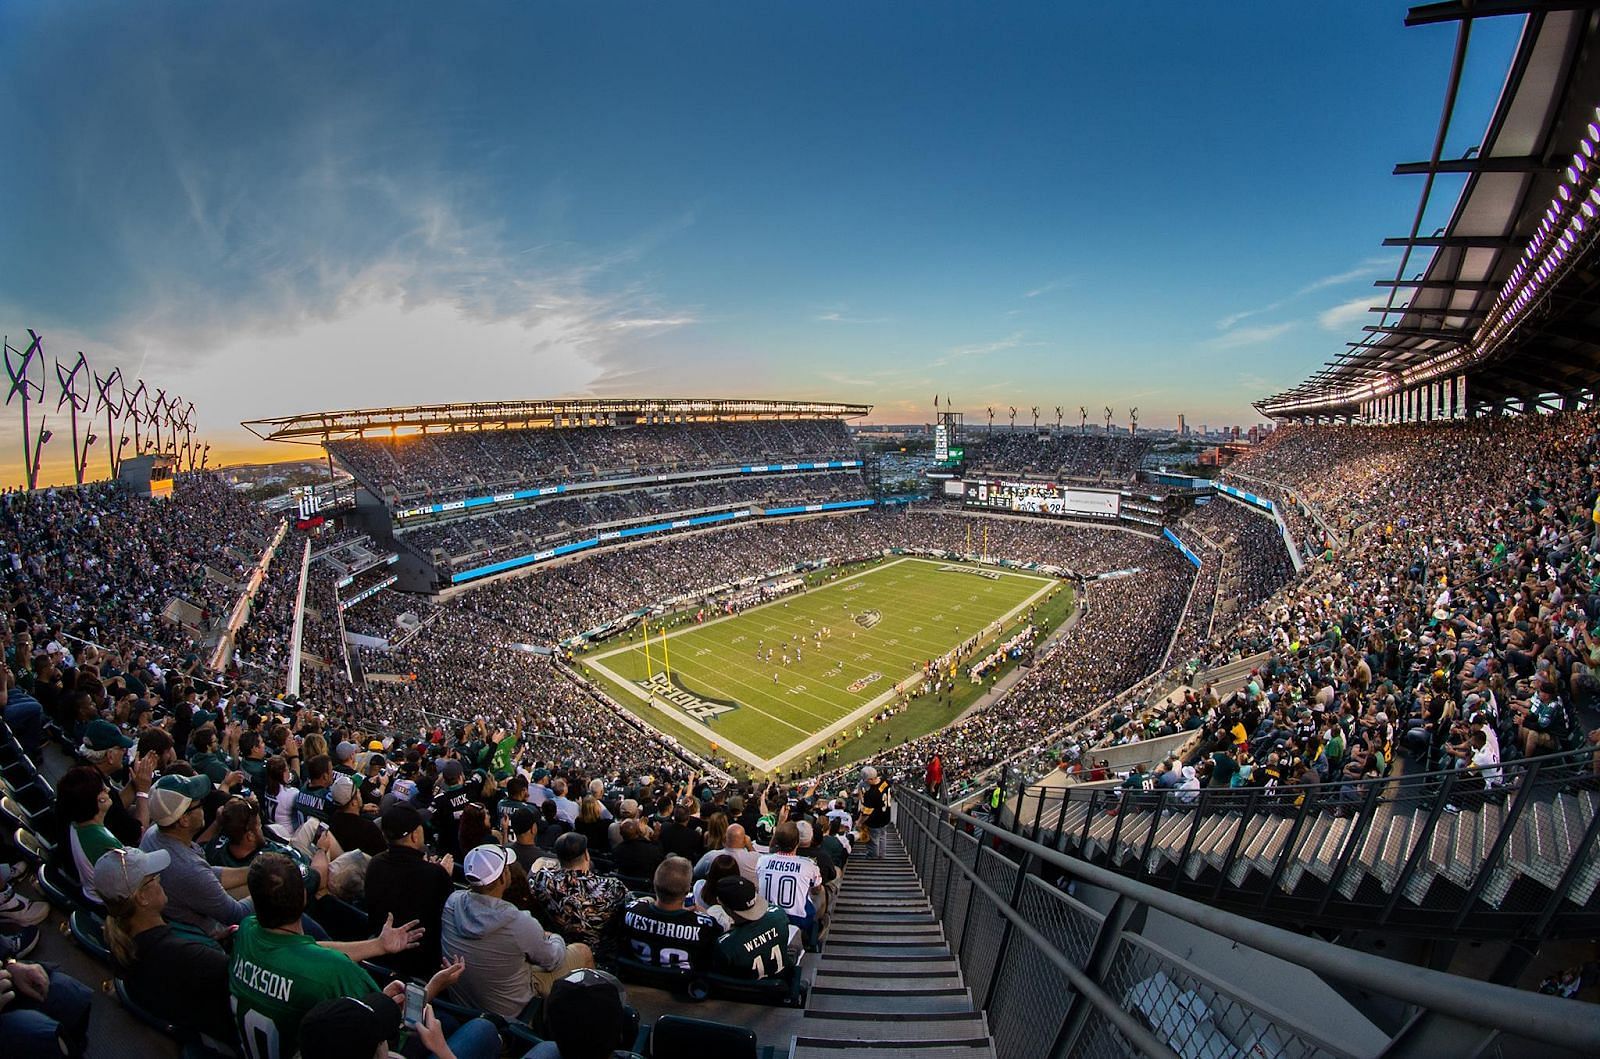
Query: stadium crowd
{"x": 1069, "y": 456}
{"x": 1451, "y": 632}
{"x": 551, "y": 522}
{"x": 1457, "y": 631}
{"x": 448, "y": 466}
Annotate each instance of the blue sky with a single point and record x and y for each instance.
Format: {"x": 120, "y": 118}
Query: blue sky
{"x": 286, "y": 207}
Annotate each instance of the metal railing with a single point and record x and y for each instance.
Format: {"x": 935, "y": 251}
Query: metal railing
{"x": 1060, "y": 977}
{"x": 1416, "y": 853}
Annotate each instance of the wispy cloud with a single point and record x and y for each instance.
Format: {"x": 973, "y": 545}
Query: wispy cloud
{"x": 1372, "y": 266}
{"x": 1345, "y": 315}
{"x": 984, "y": 349}
{"x": 1233, "y": 319}
{"x": 652, "y": 323}
{"x": 1046, "y": 288}
{"x": 1250, "y": 336}
{"x": 836, "y": 316}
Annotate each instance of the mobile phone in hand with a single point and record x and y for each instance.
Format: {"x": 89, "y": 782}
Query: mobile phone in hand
{"x": 416, "y": 1000}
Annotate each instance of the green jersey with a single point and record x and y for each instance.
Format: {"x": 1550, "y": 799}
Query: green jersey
{"x": 96, "y": 841}
{"x": 275, "y": 978}
{"x": 755, "y": 950}
{"x": 211, "y": 765}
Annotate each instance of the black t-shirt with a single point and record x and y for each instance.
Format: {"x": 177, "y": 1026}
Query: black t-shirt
{"x": 686, "y": 840}
{"x": 182, "y": 975}
{"x": 447, "y": 806}
{"x": 680, "y": 940}
{"x": 357, "y": 831}
{"x": 637, "y": 858}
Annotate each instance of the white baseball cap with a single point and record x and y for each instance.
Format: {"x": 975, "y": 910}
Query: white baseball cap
{"x": 484, "y": 865}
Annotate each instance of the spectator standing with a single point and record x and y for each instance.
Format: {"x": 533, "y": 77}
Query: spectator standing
{"x": 874, "y": 809}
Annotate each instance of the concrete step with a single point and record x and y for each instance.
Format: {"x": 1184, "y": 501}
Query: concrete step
{"x": 887, "y": 965}
{"x": 1583, "y": 887}
{"x": 873, "y": 980}
{"x": 885, "y": 950}
{"x": 945, "y": 1027}
{"x": 889, "y": 1007}
{"x": 864, "y": 922}
{"x": 1326, "y": 858}
{"x": 915, "y": 987}
{"x": 876, "y": 1050}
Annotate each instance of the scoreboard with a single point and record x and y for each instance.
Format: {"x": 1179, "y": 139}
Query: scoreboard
{"x": 1044, "y": 498}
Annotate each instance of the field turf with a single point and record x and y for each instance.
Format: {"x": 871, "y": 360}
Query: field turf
{"x": 883, "y": 623}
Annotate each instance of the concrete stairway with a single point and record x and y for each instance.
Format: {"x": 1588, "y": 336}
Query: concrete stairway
{"x": 886, "y": 981}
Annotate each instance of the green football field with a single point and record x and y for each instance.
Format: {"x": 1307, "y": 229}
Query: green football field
{"x": 882, "y": 625}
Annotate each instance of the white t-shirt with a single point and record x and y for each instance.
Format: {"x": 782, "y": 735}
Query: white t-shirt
{"x": 786, "y": 881}
{"x": 1488, "y": 764}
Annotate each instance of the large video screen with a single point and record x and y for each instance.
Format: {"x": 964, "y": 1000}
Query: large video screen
{"x": 1045, "y": 498}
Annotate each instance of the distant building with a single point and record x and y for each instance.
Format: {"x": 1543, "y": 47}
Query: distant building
{"x": 1183, "y": 427}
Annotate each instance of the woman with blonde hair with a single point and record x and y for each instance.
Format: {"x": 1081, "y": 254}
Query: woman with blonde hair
{"x": 716, "y": 830}
{"x": 592, "y": 823}
{"x": 171, "y": 969}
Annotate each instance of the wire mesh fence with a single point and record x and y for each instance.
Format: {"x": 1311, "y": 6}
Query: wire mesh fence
{"x": 1196, "y": 1016}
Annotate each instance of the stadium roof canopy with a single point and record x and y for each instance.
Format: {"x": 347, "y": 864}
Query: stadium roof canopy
{"x": 315, "y": 428}
{"x": 1509, "y": 294}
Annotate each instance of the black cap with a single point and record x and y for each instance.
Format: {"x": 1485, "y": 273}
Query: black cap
{"x": 584, "y": 1008}
{"x": 348, "y": 1026}
{"x": 400, "y": 820}
{"x": 522, "y": 820}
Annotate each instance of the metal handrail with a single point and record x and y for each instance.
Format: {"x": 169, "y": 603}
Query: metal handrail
{"x": 1493, "y": 1008}
{"x": 1510, "y": 772}
{"x": 1427, "y": 795}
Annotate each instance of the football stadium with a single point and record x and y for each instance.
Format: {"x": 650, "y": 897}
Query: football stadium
{"x": 810, "y": 722}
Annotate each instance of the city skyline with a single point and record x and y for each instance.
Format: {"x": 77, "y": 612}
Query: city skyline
{"x": 1150, "y": 205}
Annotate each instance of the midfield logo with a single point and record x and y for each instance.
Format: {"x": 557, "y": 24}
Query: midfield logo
{"x": 990, "y": 575}
{"x": 866, "y": 681}
{"x": 696, "y": 707}
{"x": 868, "y": 618}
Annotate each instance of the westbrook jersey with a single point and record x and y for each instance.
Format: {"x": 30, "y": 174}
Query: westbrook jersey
{"x": 680, "y": 940}
{"x": 275, "y": 978}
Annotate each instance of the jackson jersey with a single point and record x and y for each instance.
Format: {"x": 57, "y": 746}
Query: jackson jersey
{"x": 275, "y": 978}
{"x": 787, "y": 880}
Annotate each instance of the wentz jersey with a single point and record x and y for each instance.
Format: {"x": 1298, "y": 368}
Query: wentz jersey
{"x": 755, "y": 950}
